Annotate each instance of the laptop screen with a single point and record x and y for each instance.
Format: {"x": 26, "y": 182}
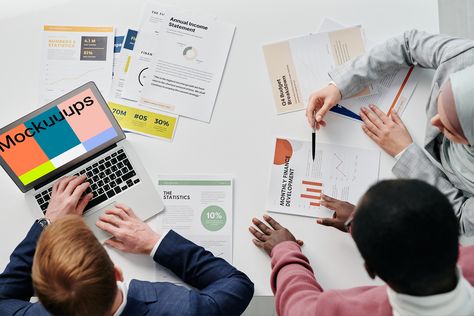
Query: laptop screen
{"x": 53, "y": 138}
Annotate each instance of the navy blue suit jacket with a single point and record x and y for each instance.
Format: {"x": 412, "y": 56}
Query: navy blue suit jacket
{"x": 219, "y": 288}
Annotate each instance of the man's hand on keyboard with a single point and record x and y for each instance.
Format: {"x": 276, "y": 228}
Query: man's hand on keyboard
{"x": 67, "y": 197}
{"x": 130, "y": 233}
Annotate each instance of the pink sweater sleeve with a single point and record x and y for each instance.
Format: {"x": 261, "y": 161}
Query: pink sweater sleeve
{"x": 466, "y": 262}
{"x": 292, "y": 281}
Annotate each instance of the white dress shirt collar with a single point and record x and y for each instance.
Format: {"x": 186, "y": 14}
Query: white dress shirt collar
{"x": 459, "y": 301}
{"x": 122, "y": 287}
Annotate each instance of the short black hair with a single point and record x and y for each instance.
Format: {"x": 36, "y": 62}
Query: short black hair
{"x": 407, "y": 233}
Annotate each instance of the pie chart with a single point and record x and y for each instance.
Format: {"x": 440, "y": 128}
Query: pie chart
{"x": 142, "y": 76}
{"x": 190, "y": 53}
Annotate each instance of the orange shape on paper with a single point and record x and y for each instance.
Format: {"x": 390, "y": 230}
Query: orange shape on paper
{"x": 283, "y": 151}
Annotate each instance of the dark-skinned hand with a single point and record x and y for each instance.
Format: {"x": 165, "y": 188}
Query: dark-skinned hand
{"x": 342, "y": 212}
{"x": 268, "y": 236}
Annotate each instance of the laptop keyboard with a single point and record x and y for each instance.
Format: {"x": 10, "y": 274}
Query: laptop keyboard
{"x": 107, "y": 177}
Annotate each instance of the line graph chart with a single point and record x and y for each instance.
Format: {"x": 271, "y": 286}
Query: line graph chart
{"x": 339, "y": 165}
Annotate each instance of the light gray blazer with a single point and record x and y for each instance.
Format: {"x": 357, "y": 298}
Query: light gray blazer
{"x": 444, "y": 54}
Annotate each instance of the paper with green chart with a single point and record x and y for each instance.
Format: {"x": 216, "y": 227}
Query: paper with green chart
{"x": 200, "y": 209}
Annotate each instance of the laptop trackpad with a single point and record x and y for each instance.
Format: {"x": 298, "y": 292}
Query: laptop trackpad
{"x": 93, "y": 216}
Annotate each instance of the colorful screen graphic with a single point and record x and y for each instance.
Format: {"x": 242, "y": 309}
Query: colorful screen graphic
{"x": 56, "y": 136}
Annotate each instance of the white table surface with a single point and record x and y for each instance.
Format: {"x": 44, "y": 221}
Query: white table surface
{"x": 240, "y": 138}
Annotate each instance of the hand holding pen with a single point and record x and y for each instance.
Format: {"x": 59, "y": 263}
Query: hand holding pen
{"x": 320, "y": 102}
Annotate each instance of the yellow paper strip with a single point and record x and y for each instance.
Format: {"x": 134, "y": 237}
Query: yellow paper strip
{"x": 144, "y": 122}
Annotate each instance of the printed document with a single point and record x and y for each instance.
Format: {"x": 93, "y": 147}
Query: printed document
{"x": 121, "y": 61}
{"x": 138, "y": 63}
{"x": 200, "y": 209}
{"x": 131, "y": 116}
{"x": 73, "y": 56}
{"x": 394, "y": 89}
{"x": 118, "y": 42}
{"x": 144, "y": 121}
{"x": 188, "y": 64}
{"x": 300, "y": 66}
{"x": 296, "y": 181}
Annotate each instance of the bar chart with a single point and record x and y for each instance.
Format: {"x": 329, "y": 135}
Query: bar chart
{"x": 312, "y": 192}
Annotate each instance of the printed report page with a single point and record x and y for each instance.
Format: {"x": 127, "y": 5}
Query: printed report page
{"x": 200, "y": 209}
{"x": 188, "y": 65}
{"x": 73, "y": 56}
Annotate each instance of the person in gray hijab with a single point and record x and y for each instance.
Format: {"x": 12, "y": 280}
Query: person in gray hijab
{"x": 446, "y": 159}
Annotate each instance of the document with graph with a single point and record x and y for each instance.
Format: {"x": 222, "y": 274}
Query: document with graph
{"x": 74, "y": 55}
{"x": 140, "y": 57}
{"x": 299, "y": 66}
{"x": 296, "y": 181}
{"x": 188, "y": 64}
{"x": 391, "y": 92}
{"x": 199, "y": 207}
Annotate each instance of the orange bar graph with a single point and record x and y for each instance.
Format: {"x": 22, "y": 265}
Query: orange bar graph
{"x": 314, "y": 190}
{"x": 318, "y": 184}
{"x": 313, "y": 197}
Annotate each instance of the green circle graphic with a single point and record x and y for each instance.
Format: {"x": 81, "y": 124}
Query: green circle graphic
{"x": 213, "y": 218}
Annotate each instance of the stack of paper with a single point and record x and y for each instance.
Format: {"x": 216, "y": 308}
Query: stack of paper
{"x": 299, "y": 66}
{"x": 123, "y": 48}
{"x": 178, "y": 62}
{"x": 171, "y": 66}
{"x": 131, "y": 115}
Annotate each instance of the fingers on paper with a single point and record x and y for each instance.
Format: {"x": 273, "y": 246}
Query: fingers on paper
{"x": 369, "y": 133}
{"x": 396, "y": 118}
{"x": 329, "y": 202}
{"x": 369, "y": 123}
{"x": 381, "y": 115}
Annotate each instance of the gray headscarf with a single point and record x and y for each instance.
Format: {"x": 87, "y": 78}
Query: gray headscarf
{"x": 458, "y": 159}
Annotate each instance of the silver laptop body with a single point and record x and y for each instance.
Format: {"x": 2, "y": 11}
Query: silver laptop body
{"x": 110, "y": 164}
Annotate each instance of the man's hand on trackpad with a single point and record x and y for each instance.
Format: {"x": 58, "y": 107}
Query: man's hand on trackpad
{"x": 131, "y": 234}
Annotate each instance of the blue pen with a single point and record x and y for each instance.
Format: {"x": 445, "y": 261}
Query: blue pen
{"x": 346, "y": 112}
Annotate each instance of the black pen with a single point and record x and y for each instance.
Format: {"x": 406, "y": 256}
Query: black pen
{"x": 314, "y": 141}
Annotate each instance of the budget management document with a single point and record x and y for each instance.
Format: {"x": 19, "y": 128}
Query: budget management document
{"x": 74, "y": 55}
{"x": 392, "y": 92}
{"x": 299, "y": 66}
{"x": 199, "y": 208}
{"x": 188, "y": 65}
{"x": 296, "y": 181}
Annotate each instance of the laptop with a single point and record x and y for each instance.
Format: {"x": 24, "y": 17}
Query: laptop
{"x": 73, "y": 135}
